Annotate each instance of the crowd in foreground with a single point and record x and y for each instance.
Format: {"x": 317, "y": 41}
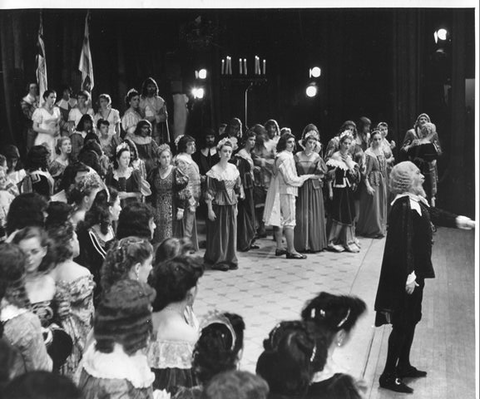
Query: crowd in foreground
{"x": 99, "y": 273}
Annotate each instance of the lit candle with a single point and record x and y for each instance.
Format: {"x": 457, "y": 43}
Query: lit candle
{"x": 245, "y": 65}
{"x": 264, "y": 66}
{"x": 229, "y": 65}
{"x": 240, "y": 66}
{"x": 223, "y": 66}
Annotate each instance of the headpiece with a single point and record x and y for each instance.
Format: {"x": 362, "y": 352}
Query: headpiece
{"x": 163, "y": 147}
{"x": 311, "y": 134}
{"x": 215, "y": 317}
{"x": 122, "y": 146}
{"x": 346, "y": 133}
{"x": 223, "y": 142}
{"x": 313, "y": 314}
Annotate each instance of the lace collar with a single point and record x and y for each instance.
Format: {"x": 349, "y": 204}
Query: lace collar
{"x": 414, "y": 201}
{"x": 118, "y": 365}
{"x": 230, "y": 173}
{"x": 10, "y": 311}
{"x": 185, "y": 157}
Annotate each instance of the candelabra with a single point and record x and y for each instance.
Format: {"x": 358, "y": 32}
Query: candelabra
{"x": 245, "y": 75}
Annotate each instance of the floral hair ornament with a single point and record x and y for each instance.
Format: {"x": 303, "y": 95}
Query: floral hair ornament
{"x": 162, "y": 148}
{"x": 346, "y": 133}
{"x": 122, "y": 146}
{"x": 312, "y": 134}
{"x": 216, "y": 317}
{"x": 222, "y": 142}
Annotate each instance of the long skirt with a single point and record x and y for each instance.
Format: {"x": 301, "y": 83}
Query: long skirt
{"x": 246, "y": 222}
{"x": 310, "y": 230}
{"x": 342, "y": 230}
{"x": 372, "y": 221}
{"x": 221, "y": 245}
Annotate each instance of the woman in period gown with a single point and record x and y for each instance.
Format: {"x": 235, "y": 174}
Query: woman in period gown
{"x": 127, "y": 180}
{"x": 170, "y": 351}
{"x": 131, "y": 116}
{"x": 223, "y": 189}
{"x": 372, "y": 221}
{"x": 344, "y": 174}
{"x": 45, "y": 301}
{"x": 169, "y": 196}
{"x": 424, "y": 132}
{"x": 123, "y": 327}
{"x": 107, "y": 113}
{"x": 96, "y": 234}
{"x": 246, "y": 228}
{"x": 46, "y": 122}
{"x": 146, "y": 145}
{"x": 75, "y": 286}
{"x": 310, "y": 230}
{"x": 333, "y": 318}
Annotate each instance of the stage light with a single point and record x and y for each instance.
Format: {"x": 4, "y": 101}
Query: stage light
{"x": 440, "y": 34}
{"x": 311, "y": 90}
{"x": 202, "y": 74}
{"x": 198, "y": 92}
{"x": 315, "y": 72}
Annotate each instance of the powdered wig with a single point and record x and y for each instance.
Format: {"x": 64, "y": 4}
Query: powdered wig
{"x": 123, "y": 316}
{"x": 401, "y": 177}
{"x": 173, "y": 279}
{"x": 122, "y": 257}
{"x": 287, "y": 362}
{"x": 218, "y": 346}
{"x": 134, "y": 220}
{"x": 12, "y": 275}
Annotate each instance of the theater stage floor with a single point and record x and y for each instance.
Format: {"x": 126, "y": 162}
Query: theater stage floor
{"x": 266, "y": 289}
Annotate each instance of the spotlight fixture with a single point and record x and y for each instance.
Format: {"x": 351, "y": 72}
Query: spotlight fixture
{"x": 198, "y": 92}
{"x": 440, "y": 34}
{"x": 311, "y": 90}
{"x": 315, "y": 72}
{"x": 202, "y": 74}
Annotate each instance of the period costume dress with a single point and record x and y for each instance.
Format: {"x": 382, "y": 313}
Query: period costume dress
{"x": 246, "y": 207}
{"x": 189, "y": 167}
{"x": 372, "y": 221}
{"x": 153, "y": 109}
{"x": 75, "y": 115}
{"x": 79, "y": 322}
{"x": 130, "y": 184}
{"x": 344, "y": 179}
{"x": 147, "y": 150}
{"x": 115, "y": 375}
{"x": 168, "y": 195}
{"x": 29, "y": 104}
{"x": 310, "y": 229}
{"x": 93, "y": 249}
{"x": 222, "y": 190}
{"x": 171, "y": 362}
{"x": 113, "y": 118}
{"x": 427, "y": 163}
{"x": 129, "y": 122}
{"x": 47, "y": 120}
{"x": 408, "y": 248}
{"x": 22, "y": 330}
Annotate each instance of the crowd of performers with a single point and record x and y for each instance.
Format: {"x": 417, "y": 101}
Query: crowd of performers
{"x": 99, "y": 266}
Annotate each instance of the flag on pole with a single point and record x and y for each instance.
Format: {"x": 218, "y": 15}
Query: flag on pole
{"x": 41, "y": 62}
{"x": 85, "y": 66}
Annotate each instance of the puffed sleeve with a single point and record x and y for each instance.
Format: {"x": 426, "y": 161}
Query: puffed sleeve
{"x": 37, "y": 116}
